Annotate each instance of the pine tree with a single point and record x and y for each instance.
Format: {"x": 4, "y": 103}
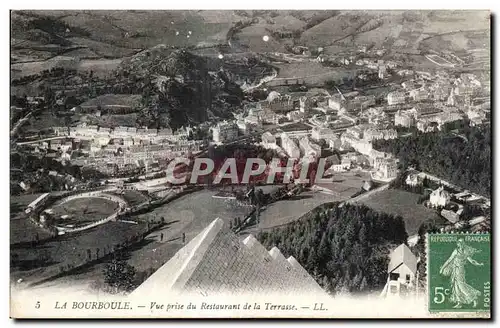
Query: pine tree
{"x": 312, "y": 260}
{"x": 323, "y": 249}
{"x": 364, "y": 285}
{"x": 119, "y": 276}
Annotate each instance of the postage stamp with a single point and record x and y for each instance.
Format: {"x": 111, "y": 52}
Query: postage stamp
{"x": 458, "y": 272}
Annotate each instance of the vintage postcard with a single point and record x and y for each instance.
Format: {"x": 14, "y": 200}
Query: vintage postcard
{"x": 250, "y": 164}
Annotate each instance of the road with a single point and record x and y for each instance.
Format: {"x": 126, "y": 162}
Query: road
{"x": 41, "y": 140}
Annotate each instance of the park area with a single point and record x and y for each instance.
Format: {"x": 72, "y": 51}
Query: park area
{"x": 81, "y": 211}
{"x": 188, "y": 215}
{"x": 288, "y": 210}
{"x": 403, "y": 203}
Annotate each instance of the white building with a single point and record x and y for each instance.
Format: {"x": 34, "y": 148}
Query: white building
{"x": 334, "y": 103}
{"x": 334, "y": 142}
{"x": 243, "y": 126}
{"x": 395, "y": 98}
{"x": 268, "y": 140}
{"x": 439, "y": 197}
{"x": 419, "y": 94}
{"x": 405, "y": 118}
{"x": 225, "y": 131}
{"x": 309, "y": 148}
{"x": 413, "y": 180}
{"x": 289, "y": 146}
{"x": 402, "y": 272}
{"x": 253, "y": 120}
{"x": 360, "y": 145}
{"x": 295, "y": 115}
{"x": 344, "y": 165}
{"x": 319, "y": 133}
{"x": 388, "y": 169}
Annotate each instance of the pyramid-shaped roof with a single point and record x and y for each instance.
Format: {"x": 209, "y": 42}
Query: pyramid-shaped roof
{"x": 403, "y": 255}
{"x": 217, "y": 261}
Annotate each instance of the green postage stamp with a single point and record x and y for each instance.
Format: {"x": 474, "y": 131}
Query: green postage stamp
{"x": 459, "y": 272}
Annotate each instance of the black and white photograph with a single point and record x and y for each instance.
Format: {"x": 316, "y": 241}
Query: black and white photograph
{"x": 250, "y": 163}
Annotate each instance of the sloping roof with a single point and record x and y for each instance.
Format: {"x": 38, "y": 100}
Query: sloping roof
{"x": 182, "y": 264}
{"x": 403, "y": 255}
{"x": 217, "y": 261}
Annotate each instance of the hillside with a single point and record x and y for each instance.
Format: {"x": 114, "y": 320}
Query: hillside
{"x": 181, "y": 88}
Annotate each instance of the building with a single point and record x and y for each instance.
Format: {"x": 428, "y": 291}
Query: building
{"x": 439, "y": 198}
{"x": 405, "y": 118}
{"x": 268, "y": 140}
{"x": 360, "y": 145}
{"x": 305, "y": 104}
{"x": 295, "y": 115}
{"x": 269, "y": 117}
{"x": 217, "y": 263}
{"x": 426, "y": 110}
{"x": 357, "y": 131}
{"x": 277, "y": 103}
{"x": 343, "y": 165}
{"x": 243, "y": 127}
{"x": 319, "y": 133}
{"x": 289, "y": 146}
{"x": 375, "y": 134}
{"x": 427, "y": 125}
{"x": 335, "y": 103}
{"x": 388, "y": 169}
{"x": 419, "y": 94}
{"x": 309, "y": 148}
{"x": 61, "y": 130}
{"x": 334, "y": 142}
{"x": 253, "y": 120}
{"x": 448, "y": 117}
{"x": 395, "y": 98}
{"x": 382, "y": 72}
{"x": 37, "y": 203}
{"x": 402, "y": 272}
{"x": 451, "y": 216}
{"x": 225, "y": 131}
{"x": 413, "y": 179}
{"x": 451, "y": 99}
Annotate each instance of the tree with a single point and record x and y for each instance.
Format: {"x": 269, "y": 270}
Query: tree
{"x": 364, "y": 285}
{"x": 347, "y": 245}
{"x": 119, "y": 276}
{"x": 324, "y": 248}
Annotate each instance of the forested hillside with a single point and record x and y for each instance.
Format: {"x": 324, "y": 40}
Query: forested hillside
{"x": 345, "y": 248}
{"x": 462, "y": 158}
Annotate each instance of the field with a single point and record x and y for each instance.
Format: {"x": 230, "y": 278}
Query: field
{"x": 344, "y": 185}
{"x": 439, "y": 60}
{"x": 45, "y": 260}
{"x": 111, "y": 121}
{"x": 310, "y": 72}
{"x": 18, "y": 203}
{"x": 114, "y": 100}
{"x": 84, "y": 210}
{"x": 181, "y": 216}
{"x": 100, "y": 67}
{"x": 197, "y": 210}
{"x": 21, "y": 230}
{"x": 286, "y": 211}
{"x": 403, "y": 203}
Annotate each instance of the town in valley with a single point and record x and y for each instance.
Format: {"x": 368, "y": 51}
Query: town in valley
{"x": 396, "y": 104}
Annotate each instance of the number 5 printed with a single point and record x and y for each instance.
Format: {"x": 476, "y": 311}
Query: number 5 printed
{"x": 440, "y": 293}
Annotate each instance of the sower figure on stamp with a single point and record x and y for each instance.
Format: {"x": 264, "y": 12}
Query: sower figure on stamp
{"x": 454, "y": 267}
